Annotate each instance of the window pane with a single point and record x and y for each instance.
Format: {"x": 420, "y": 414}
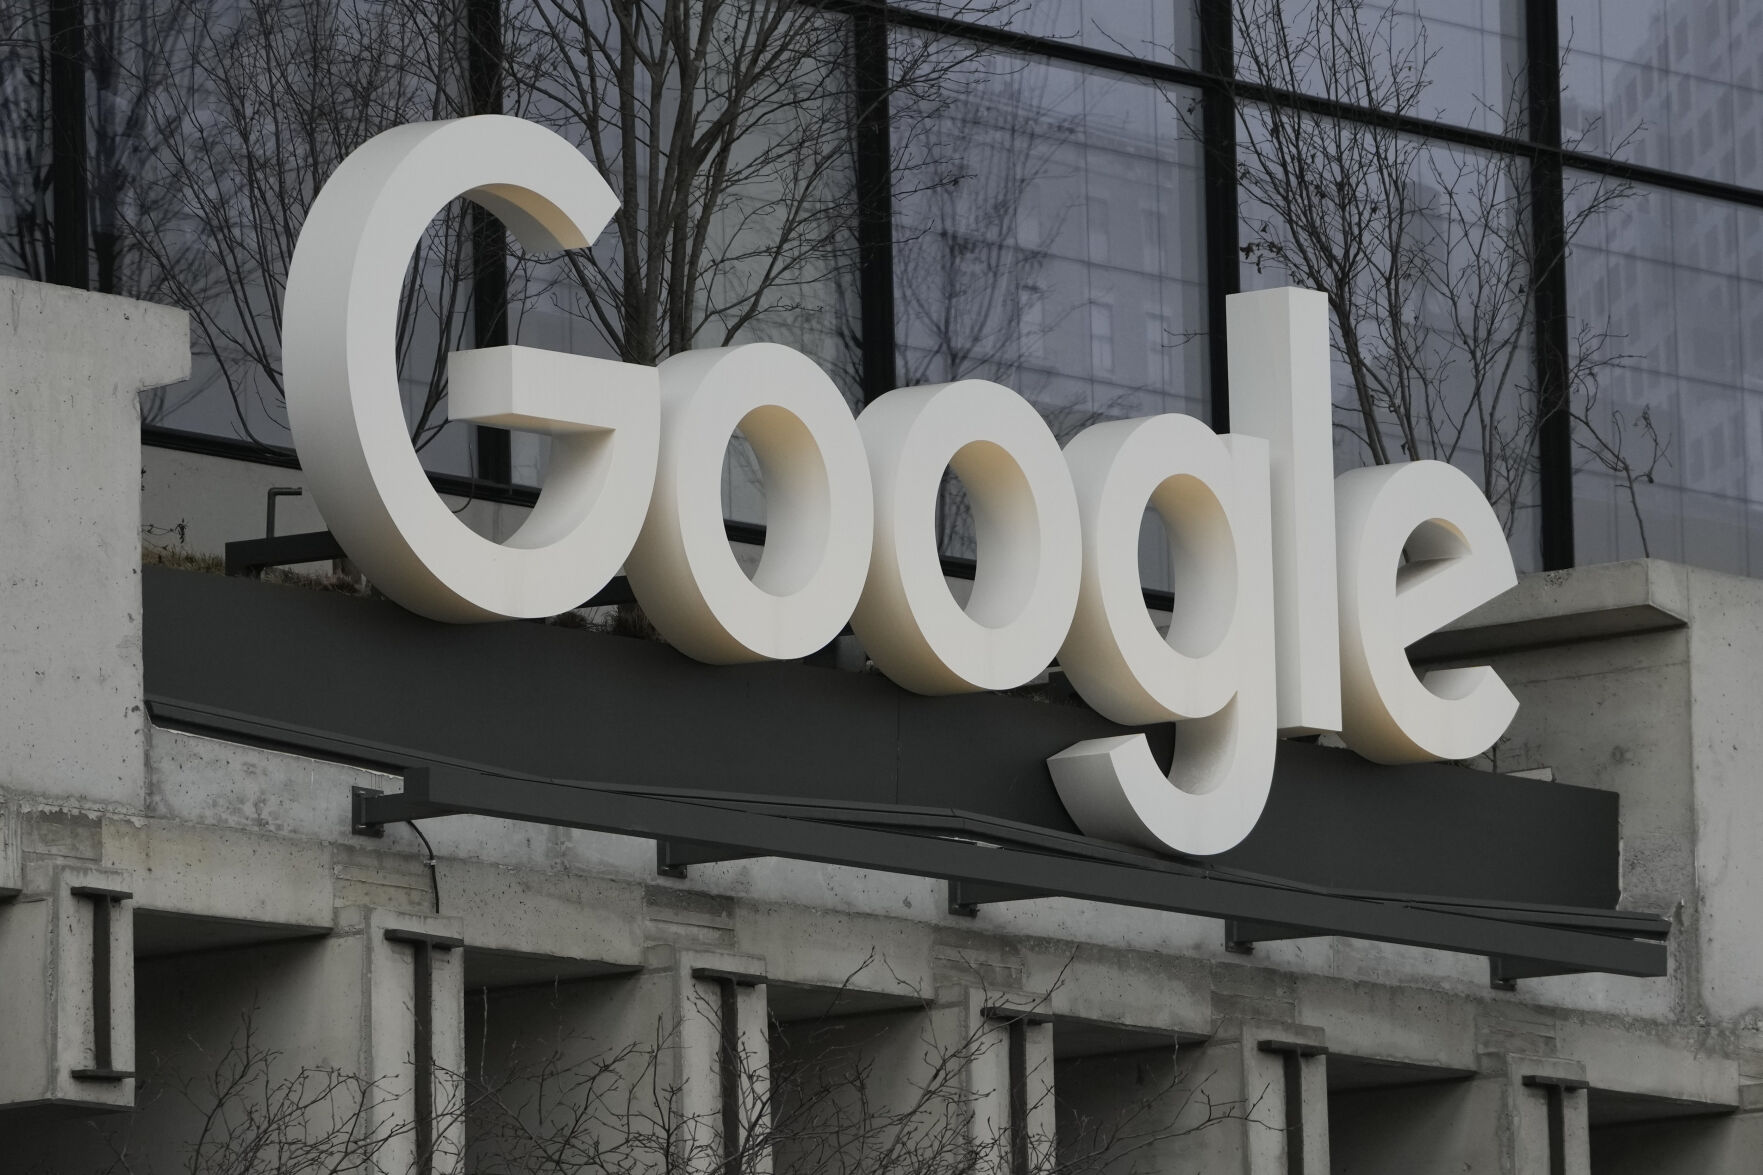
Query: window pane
{"x": 752, "y": 240}
{"x": 1666, "y": 292}
{"x": 1422, "y": 249}
{"x": 1049, "y": 238}
{"x": 1673, "y": 84}
{"x": 1456, "y": 61}
{"x": 213, "y": 126}
{"x": 227, "y": 117}
{"x": 24, "y": 141}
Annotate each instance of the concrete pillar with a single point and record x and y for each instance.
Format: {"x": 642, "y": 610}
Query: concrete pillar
{"x": 308, "y": 1046}
{"x": 410, "y": 1015}
{"x": 1238, "y": 1118}
{"x": 1010, "y": 1075}
{"x": 1497, "y": 1123}
{"x": 637, "y": 1064}
{"x": 67, "y": 981}
{"x": 71, "y": 365}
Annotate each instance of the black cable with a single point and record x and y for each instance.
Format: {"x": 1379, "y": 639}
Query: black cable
{"x": 429, "y": 860}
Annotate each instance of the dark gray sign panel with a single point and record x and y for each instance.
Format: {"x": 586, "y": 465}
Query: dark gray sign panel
{"x": 814, "y": 762}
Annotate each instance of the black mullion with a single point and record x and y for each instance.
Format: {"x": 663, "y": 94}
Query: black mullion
{"x": 875, "y": 203}
{"x": 1218, "y": 124}
{"x": 67, "y": 163}
{"x": 1549, "y": 234}
{"x": 423, "y": 996}
{"x": 728, "y": 1064}
{"x": 1292, "y": 1073}
{"x": 489, "y": 251}
{"x": 1018, "y": 1065}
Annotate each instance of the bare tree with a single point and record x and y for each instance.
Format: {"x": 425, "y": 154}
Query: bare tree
{"x": 969, "y": 259}
{"x": 724, "y": 126}
{"x": 817, "y": 1103}
{"x": 26, "y": 243}
{"x": 1424, "y": 248}
{"x": 267, "y": 98}
{"x": 249, "y": 1114}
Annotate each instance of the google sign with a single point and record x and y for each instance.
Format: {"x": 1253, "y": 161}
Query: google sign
{"x": 1297, "y": 592}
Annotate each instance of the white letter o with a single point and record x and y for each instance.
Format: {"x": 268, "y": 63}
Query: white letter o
{"x": 1025, "y": 518}
{"x": 817, "y": 508}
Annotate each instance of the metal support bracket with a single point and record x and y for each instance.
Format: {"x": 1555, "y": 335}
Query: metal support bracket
{"x": 1015, "y": 1015}
{"x": 251, "y": 556}
{"x": 371, "y": 810}
{"x": 1240, "y": 936}
{"x": 1504, "y": 971}
{"x": 966, "y": 897}
{"x": 672, "y": 856}
{"x": 359, "y": 822}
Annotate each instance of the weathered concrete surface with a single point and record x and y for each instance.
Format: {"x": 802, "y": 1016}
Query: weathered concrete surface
{"x": 1725, "y": 705}
{"x": 630, "y": 1063}
{"x": 1691, "y": 1146}
{"x": 71, "y": 364}
{"x": 1602, "y": 601}
{"x": 1243, "y": 1088}
{"x": 306, "y": 1042}
{"x": 1491, "y": 1124}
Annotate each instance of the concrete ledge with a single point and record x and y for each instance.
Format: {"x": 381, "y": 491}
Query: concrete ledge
{"x": 1598, "y": 602}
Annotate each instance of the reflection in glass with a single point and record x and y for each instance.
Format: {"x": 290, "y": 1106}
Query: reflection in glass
{"x": 1056, "y": 251}
{"x": 1455, "y": 61}
{"x": 1670, "y": 455}
{"x": 1424, "y": 251}
{"x": 1672, "y": 84}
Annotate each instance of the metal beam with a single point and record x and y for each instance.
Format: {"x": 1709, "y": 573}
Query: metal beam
{"x": 442, "y": 790}
{"x": 966, "y": 897}
{"x": 672, "y": 855}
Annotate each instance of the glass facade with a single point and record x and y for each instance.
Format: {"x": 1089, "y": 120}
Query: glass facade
{"x": 1054, "y": 196}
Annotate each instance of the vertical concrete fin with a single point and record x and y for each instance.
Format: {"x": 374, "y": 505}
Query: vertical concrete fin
{"x": 71, "y": 365}
{"x": 67, "y": 964}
